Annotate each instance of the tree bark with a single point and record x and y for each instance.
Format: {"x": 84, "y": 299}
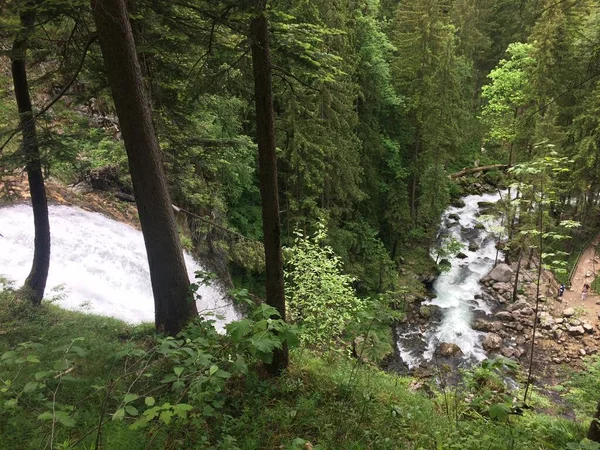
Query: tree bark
{"x": 35, "y": 284}
{"x": 170, "y": 283}
{"x": 473, "y": 170}
{"x": 267, "y": 162}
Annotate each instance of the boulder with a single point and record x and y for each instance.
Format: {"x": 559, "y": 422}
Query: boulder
{"x": 473, "y": 247}
{"x": 526, "y": 311}
{"x": 461, "y": 255}
{"x": 547, "y": 321}
{"x": 576, "y": 331}
{"x": 569, "y": 312}
{"x": 449, "y": 349}
{"x": 502, "y": 273}
{"x": 507, "y": 351}
{"x": 458, "y": 203}
{"x": 454, "y": 216}
{"x": 505, "y": 316}
{"x": 482, "y": 325}
{"x": 582, "y": 352}
{"x": 492, "y": 342}
{"x": 519, "y": 351}
{"x": 502, "y": 287}
{"x": 519, "y": 304}
{"x": 589, "y": 328}
{"x": 425, "y": 311}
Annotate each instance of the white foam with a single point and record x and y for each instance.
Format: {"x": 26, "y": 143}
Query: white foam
{"x": 460, "y": 284}
{"x": 97, "y": 265}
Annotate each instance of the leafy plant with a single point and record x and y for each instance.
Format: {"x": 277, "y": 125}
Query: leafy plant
{"x": 320, "y": 296}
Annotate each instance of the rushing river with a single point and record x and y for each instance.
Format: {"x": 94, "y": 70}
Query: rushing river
{"x": 97, "y": 265}
{"x": 457, "y": 291}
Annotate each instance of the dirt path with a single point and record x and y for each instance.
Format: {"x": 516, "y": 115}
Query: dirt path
{"x": 587, "y": 268}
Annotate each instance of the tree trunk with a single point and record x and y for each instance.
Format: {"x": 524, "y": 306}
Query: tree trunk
{"x": 267, "y": 162}
{"x": 35, "y": 284}
{"x": 473, "y": 170}
{"x": 170, "y": 282}
{"x": 594, "y": 430}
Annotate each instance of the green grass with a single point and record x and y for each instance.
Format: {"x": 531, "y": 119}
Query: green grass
{"x": 331, "y": 402}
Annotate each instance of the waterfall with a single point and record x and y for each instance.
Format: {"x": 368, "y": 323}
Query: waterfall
{"x": 97, "y": 265}
{"x": 456, "y": 290}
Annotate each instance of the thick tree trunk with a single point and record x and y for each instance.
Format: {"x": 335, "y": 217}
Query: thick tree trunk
{"x": 35, "y": 284}
{"x": 170, "y": 282}
{"x": 267, "y": 162}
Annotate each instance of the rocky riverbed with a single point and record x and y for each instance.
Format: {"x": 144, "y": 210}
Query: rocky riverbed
{"x": 562, "y": 336}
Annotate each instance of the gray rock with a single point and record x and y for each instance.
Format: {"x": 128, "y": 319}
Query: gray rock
{"x": 502, "y": 287}
{"x": 546, "y": 321}
{"x": 589, "y": 328}
{"x": 449, "y": 349}
{"x": 492, "y": 342}
{"x": 505, "y": 316}
{"x": 569, "y": 312}
{"x": 519, "y": 304}
{"x": 507, "y": 351}
{"x": 526, "y": 311}
{"x": 582, "y": 352}
{"x": 558, "y": 334}
{"x": 425, "y": 311}
{"x": 482, "y": 325}
{"x": 454, "y": 216}
{"x": 502, "y": 273}
{"x": 576, "y": 331}
{"x": 575, "y": 322}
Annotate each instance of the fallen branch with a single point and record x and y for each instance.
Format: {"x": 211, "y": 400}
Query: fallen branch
{"x": 473, "y": 170}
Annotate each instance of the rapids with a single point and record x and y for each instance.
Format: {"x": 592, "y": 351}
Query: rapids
{"x": 456, "y": 289}
{"x": 97, "y": 265}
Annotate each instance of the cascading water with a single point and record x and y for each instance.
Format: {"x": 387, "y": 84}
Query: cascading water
{"x": 456, "y": 290}
{"x": 97, "y": 265}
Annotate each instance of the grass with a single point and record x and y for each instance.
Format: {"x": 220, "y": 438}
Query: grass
{"x": 329, "y": 402}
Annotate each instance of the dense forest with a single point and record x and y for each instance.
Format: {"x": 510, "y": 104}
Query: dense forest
{"x": 305, "y": 152}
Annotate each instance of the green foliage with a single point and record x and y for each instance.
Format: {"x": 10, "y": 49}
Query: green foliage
{"x": 320, "y": 296}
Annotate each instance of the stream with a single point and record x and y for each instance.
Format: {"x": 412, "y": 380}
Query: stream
{"x": 456, "y": 292}
{"x": 97, "y": 265}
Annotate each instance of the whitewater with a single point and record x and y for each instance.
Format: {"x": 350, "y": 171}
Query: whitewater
{"x": 97, "y": 265}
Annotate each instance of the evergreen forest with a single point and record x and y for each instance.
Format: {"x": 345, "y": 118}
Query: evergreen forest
{"x": 396, "y": 203}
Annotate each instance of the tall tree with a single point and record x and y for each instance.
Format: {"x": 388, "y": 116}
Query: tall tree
{"x": 35, "y": 283}
{"x": 170, "y": 283}
{"x": 267, "y": 165}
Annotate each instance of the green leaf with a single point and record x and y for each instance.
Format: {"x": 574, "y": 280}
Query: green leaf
{"x": 46, "y": 416}
{"x": 130, "y": 397}
{"x": 119, "y": 414}
{"x": 41, "y": 375}
{"x": 131, "y": 410}
{"x": 30, "y": 387}
{"x": 62, "y": 365}
{"x": 66, "y": 419}
{"x": 213, "y": 369}
{"x": 7, "y": 355}
{"x": 33, "y": 359}
{"x": 166, "y": 417}
{"x": 178, "y": 371}
{"x": 149, "y": 401}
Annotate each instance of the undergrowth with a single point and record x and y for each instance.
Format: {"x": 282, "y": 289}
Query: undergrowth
{"x": 83, "y": 381}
